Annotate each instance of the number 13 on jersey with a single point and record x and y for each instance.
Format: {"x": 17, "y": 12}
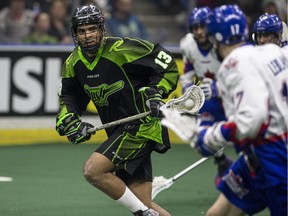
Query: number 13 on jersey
{"x": 163, "y": 59}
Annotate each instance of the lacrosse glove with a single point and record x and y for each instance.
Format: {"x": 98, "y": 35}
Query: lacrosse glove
{"x": 210, "y": 141}
{"x": 209, "y": 88}
{"x": 153, "y": 101}
{"x": 72, "y": 126}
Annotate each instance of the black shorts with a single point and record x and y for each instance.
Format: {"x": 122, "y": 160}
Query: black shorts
{"x": 130, "y": 154}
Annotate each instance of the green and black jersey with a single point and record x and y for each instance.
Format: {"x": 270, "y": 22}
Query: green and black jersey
{"x": 113, "y": 78}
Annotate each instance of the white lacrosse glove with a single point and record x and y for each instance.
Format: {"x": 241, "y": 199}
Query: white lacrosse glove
{"x": 210, "y": 140}
{"x": 185, "y": 126}
{"x": 210, "y": 88}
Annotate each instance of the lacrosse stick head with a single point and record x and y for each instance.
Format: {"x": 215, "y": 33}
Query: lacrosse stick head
{"x": 159, "y": 184}
{"x": 190, "y": 102}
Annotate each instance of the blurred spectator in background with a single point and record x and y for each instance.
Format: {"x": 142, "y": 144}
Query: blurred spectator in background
{"x": 15, "y": 22}
{"x": 103, "y": 4}
{"x": 3, "y": 4}
{"x": 123, "y": 23}
{"x": 172, "y": 6}
{"x": 208, "y": 3}
{"x": 44, "y": 5}
{"x": 39, "y": 33}
{"x": 100, "y": 3}
{"x": 269, "y": 7}
{"x": 60, "y": 21}
{"x": 28, "y": 3}
{"x": 278, "y": 7}
{"x": 252, "y": 11}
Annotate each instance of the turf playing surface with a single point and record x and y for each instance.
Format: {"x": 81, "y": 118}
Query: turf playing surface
{"x": 47, "y": 181}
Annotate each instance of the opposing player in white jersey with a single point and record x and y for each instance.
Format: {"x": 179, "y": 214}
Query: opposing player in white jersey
{"x": 269, "y": 28}
{"x": 199, "y": 58}
{"x": 200, "y": 63}
{"x": 253, "y": 82}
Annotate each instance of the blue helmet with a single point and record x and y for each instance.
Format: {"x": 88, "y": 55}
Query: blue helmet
{"x": 268, "y": 23}
{"x": 198, "y": 16}
{"x": 227, "y": 24}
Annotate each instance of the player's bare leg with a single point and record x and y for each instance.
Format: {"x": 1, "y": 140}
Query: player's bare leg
{"x": 143, "y": 191}
{"x": 98, "y": 172}
{"x": 222, "y": 207}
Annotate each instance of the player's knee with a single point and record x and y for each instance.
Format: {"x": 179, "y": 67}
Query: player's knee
{"x": 91, "y": 175}
{"x": 97, "y": 169}
{"x": 88, "y": 175}
{"x": 212, "y": 212}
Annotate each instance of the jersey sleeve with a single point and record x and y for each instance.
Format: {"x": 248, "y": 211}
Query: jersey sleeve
{"x": 160, "y": 66}
{"x": 165, "y": 73}
{"x": 72, "y": 97}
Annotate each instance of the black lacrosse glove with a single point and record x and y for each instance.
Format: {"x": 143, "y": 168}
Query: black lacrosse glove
{"x": 72, "y": 126}
{"x": 154, "y": 101}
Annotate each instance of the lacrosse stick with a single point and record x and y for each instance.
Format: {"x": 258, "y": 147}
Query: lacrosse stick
{"x": 120, "y": 121}
{"x": 191, "y": 102}
{"x": 161, "y": 183}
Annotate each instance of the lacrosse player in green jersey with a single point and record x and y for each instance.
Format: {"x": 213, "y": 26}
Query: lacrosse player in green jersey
{"x": 122, "y": 77}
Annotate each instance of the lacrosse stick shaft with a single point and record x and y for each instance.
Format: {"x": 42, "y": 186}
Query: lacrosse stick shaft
{"x": 120, "y": 121}
{"x": 200, "y": 98}
{"x": 192, "y": 166}
{"x": 167, "y": 183}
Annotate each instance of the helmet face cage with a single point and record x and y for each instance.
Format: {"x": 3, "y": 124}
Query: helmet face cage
{"x": 267, "y": 24}
{"x": 227, "y": 24}
{"x": 198, "y": 17}
{"x": 85, "y": 15}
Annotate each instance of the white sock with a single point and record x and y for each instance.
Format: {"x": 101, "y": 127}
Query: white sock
{"x": 129, "y": 200}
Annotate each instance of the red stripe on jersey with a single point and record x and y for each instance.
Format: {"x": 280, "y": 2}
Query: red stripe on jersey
{"x": 229, "y": 129}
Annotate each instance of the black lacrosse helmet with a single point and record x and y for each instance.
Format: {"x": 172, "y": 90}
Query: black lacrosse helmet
{"x": 88, "y": 14}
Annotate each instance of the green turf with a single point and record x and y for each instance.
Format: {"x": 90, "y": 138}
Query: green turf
{"x": 48, "y": 181}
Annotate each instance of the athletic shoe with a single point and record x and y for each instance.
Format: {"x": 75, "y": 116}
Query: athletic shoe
{"x": 148, "y": 212}
{"x": 223, "y": 165}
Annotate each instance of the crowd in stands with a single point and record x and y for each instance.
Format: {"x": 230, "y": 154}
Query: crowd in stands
{"x": 26, "y": 21}
{"x": 48, "y": 21}
{"x": 123, "y": 22}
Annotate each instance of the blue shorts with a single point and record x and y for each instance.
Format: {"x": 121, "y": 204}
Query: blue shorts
{"x": 243, "y": 190}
